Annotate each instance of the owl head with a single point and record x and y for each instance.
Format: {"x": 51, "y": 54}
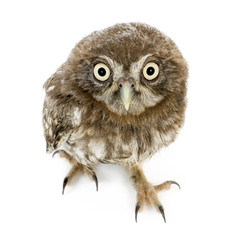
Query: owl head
{"x": 127, "y": 68}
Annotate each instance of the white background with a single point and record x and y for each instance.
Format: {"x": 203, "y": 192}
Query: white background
{"x": 36, "y": 38}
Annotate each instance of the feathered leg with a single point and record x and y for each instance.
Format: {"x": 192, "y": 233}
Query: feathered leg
{"x": 76, "y": 169}
{"x": 146, "y": 192}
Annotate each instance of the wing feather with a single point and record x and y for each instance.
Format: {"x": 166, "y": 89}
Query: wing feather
{"x": 61, "y": 115}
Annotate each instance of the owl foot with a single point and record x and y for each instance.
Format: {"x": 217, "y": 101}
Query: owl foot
{"x": 76, "y": 169}
{"x": 147, "y": 193}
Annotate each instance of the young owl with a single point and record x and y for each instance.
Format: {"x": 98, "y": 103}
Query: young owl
{"x": 119, "y": 98}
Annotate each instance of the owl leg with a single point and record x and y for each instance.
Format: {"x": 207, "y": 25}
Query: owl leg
{"x": 76, "y": 169}
{"x": 146, "y": 192}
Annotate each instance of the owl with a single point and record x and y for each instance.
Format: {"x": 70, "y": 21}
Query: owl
{"x": 118, "y": 99}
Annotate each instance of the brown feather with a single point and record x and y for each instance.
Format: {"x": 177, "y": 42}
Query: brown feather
{"x": 124, "y": 136}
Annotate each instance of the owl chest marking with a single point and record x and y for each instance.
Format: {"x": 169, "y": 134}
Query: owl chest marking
{"x": 93, "y": 142}
{"x": 115, "y": 146}
{"x": 89, "y": 148}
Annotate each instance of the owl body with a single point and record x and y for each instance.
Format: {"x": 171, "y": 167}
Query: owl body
{"x": 102, "y": 139}
{"x": 100, "y": 136}
{"x": 119, "y": 98}
{"x": 86, "y": 117}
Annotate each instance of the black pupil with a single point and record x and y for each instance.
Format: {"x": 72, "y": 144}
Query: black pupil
{"x": 150, "y": 71}
{"x": 102, "y": 72}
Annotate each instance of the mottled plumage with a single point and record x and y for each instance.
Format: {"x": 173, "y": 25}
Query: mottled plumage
{"x": 102, "y": 105}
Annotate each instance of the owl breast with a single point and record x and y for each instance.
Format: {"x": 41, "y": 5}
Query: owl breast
{"x": 95, "y": 141}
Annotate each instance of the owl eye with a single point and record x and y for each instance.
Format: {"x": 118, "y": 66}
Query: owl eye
{"x": 101, "y": 72}
{"x": 151, "y": 71}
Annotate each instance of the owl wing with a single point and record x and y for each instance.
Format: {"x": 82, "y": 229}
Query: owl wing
{"x": 60, "y": 115}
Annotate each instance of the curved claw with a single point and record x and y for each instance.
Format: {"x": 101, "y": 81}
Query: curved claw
{"x": 166, "y": 186}
{"x": 173, "y": 182}
{"x": 136, "y": 212}
{"x": 57, "y": 151}
{"x": 96, "y": 180}
{"x": 162, "y": 212}
{"x": 65, "y": 181}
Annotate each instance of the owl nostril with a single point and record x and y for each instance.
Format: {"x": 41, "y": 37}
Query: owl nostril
{"x": 123, "y": 81}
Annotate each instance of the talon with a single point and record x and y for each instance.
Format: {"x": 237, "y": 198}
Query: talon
{"x": 162, "y": 212}
{"x": 57, "y": 151}
{"x": 96, "y": 180}
{"x": 173, "y": 182}
{"x": 166, "y": 186}
{"x": 136, "y": 212}
{"x": 65, "y": 181}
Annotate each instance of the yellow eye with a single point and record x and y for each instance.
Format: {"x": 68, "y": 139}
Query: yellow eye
{"x": 151, "y": 71}
{"x": 101, "y": 72}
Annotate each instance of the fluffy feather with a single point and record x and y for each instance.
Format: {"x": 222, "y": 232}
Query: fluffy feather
{"x": 87, "y": 118}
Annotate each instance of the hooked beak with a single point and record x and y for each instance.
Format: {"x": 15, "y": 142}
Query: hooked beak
{"x": 126, "y": 91}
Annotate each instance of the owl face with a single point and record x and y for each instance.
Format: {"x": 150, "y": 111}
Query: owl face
{"x": 127, "y": 68}
{"x": 125, "y": 91}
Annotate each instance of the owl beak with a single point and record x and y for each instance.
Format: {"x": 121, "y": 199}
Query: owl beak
{"x": 126, "y": 91}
